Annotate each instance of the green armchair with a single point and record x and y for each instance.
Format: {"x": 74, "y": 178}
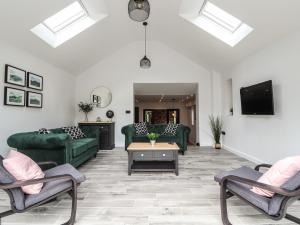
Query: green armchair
{"x": 181, "y": 138}
{"x": 56, "y": 146}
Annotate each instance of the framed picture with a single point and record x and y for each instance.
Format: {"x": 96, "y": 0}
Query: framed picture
{"x": 34, "y": 81}
{"x": 34, "y": 100}
{"x": 15, "y": 76}
{"x": 14, "y": 97}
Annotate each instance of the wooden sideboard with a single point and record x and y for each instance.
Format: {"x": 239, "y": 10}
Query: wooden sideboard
{"x": 107, "y": 133}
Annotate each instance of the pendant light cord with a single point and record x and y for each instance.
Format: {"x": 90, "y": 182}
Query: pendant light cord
{"x": 145, "y": 24}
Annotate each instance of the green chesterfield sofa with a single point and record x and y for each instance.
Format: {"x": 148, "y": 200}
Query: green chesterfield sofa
{"x": 181, "y": 138}
{"x": 57, "y": 146}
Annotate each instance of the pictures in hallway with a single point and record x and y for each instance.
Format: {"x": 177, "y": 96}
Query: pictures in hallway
{"x": 19, "y": 97}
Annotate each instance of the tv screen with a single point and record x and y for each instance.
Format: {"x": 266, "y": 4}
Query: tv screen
{"x": 258, "y": 99}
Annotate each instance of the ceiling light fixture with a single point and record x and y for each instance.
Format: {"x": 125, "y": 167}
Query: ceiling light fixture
{"x": 145, "y": 63}
{"x": 139, "y": 10}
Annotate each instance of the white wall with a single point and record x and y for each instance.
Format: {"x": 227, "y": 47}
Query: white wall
{"x": 121, "y": 70}
{"x": 58, "y": 107}
{"x": 268, "y": 138}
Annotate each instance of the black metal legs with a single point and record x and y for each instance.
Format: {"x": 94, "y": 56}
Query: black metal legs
{"x": 223, "y": 200}
{"x": 73, "y": 194}
{"x": 292, "y": 218}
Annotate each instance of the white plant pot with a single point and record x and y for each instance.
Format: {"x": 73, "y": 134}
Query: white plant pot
{"x": 152, "y": 143}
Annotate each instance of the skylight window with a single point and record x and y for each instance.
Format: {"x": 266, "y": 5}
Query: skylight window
{"x": 68, "y": 23}
{"x": 217, "y": 22}
{"x": 220, "y": 17}
{"x": 221, "y": 24}
{"x": 66, "y": 17}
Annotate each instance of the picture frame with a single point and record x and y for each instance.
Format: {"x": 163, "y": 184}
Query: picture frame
{"x": 34, "y": 99}
{"x": 15, "y": 75}
{"x": 14, "y": 97}
{"x": 34, "y": 81}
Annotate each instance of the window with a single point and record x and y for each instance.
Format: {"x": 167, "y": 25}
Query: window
{"x": 220, "y": 17}
{"x": 68, "y": 23}
{"x": 219, "y": 23}
{"x": 66, "y": 17}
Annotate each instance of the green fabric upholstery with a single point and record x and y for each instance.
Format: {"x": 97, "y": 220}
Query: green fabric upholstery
{"x": 181, "y": 137}
{"x": 56, "y": 146}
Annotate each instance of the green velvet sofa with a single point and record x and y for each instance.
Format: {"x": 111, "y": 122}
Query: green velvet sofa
{"x": 181, "y": 138}
{"x": 57, "y": 146}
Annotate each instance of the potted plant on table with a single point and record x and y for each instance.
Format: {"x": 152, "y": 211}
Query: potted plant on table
{"x": 153, "y": 137}
{"x": 216, "y": 126}
{"x": 86, "y": 108}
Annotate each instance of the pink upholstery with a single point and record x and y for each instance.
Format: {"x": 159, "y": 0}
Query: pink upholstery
{"x": 278, "y": 174}
{"x": 23, "y": 168}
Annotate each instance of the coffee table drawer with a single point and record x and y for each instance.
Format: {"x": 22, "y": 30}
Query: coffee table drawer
{"x": 164, "y": 155}
{"x": 142, "y": 155}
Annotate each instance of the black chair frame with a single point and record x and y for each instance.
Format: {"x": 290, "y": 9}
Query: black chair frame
{"x": 226, "y": 194}
{"x": 72, "y": 191}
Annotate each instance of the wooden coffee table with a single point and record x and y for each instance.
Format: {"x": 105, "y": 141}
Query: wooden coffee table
{"x": 162, "y": 157}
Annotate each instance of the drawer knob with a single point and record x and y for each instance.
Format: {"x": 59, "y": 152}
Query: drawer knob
{"x": 164, "y": 154}
{"x": 142, "y": 155}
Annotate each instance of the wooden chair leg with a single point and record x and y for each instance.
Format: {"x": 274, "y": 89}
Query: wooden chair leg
{"x": 71, "y": 221}
{"x": 223, "y": 201}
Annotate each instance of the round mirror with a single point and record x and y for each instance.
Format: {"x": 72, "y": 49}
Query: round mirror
{"x": 101, "y": 97}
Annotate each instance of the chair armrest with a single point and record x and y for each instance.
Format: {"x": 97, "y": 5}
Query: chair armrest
{"x": 18, "y": 183}
{"x": 46, "y": 163}
{"x": 262, "y": 166}
{"x": 267, "y": 187}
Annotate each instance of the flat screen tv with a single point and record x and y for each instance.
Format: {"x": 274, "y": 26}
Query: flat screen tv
{"x": 258, "y": 99}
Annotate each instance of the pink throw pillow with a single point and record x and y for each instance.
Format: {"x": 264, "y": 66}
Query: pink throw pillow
{"x": 24, "y": 168}
{"x": 278, "y": 174}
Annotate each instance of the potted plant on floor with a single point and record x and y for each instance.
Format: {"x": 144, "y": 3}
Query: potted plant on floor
{"x": 86, "y": 108}
{"x": 216, "y": 129}
{"x": 153, "y": 137}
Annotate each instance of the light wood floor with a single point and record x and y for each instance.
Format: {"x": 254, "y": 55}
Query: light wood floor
{"x": 111, "y": 197}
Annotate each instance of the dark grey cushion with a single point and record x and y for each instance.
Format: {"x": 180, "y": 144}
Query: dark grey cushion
{"x": 244, "y": 190}
{"x": 51, "y": 188}
{"x": 276, "y": 201}
{"x": 17, "y": 193}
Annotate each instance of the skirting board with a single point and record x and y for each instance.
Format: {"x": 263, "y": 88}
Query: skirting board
{"x": 243, "y": 155}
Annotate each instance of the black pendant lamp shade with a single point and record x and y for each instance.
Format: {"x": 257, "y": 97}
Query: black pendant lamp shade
{"x": 139, "y": 10}
{"x": 145, "y": 63}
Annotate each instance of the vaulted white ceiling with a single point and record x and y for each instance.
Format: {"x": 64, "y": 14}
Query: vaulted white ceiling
{"x": 270, "y": 19}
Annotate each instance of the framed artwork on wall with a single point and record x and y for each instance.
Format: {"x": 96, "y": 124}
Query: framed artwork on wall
{"x": 34, "y": 100}
{"x": 14, "y": 97}
{"x": 15, "y": 76}
{"x": 34, "y": 81}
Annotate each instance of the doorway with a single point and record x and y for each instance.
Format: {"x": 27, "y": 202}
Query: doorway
{"x": 163, "y": 103}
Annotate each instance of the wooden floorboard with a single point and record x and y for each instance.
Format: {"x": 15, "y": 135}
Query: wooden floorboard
{"x": 111, "y": 197}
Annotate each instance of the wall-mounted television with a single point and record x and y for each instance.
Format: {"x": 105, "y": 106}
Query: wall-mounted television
{"x": 258, "y": 99}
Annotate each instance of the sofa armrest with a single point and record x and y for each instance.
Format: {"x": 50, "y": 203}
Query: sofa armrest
{"x": 34, "y": 140}
{"x": 129, "y": 132}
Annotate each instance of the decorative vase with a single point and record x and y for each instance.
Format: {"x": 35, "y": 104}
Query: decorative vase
{"x": 218, "y": 146}
{"x": 152, "y": 142}
{"x": 86, "y": 117}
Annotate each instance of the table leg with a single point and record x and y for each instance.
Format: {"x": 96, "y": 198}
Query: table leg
{"x": 129, "y": 162}
{"x": 176, "y": 163}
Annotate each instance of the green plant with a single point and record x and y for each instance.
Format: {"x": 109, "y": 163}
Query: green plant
{"x": 216, "y": 126}
{"x": 153, "y": 136}
{"x": 86, "y": 108}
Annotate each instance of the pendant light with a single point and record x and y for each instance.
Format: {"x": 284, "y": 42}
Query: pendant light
{"x": 139, "y": 10}
{"x": 145, "y": 63}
